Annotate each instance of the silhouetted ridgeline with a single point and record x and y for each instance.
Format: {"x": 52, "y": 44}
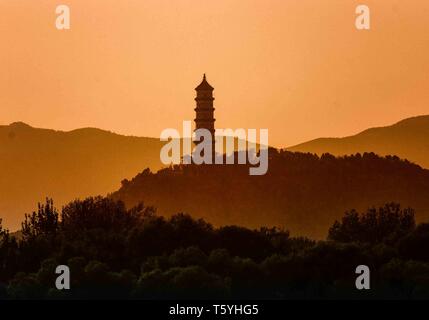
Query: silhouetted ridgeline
{"x": 36, "y": 163}
{"x": 407, "y": 139}
{"x": 303, "y": 192}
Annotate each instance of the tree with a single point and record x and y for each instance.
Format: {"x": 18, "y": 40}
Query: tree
{"x": 43, "y": 222}
{"x": 387, "y": 224}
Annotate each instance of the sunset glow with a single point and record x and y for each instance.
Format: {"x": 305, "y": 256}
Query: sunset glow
{"x": 299, "y": 68}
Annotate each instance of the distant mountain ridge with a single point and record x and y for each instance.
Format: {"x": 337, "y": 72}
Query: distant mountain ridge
{"x": 407, "y": 139}
{"x": 36, "y": 163}
{"x": 64, "y": 165}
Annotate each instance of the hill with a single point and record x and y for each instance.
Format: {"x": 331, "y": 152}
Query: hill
{"x": 408, "y": 139}
{"x": 37, "y": 163}
{"x": 301, "y": 192}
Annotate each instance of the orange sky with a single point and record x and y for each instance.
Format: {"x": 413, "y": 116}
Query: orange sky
{"x": 296, "y": 67}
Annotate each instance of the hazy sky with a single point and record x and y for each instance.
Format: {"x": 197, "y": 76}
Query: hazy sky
{"x": 297, "y": 67}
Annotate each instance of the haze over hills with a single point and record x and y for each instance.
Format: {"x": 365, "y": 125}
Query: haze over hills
{"x": 36, "y": 163}
{"x": 408, "y": 139}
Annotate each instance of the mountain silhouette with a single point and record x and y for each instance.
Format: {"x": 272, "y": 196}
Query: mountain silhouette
{"x": 408, "y": 139}
{"x": 38, "y": 163}
{"x": 301, "y": 192}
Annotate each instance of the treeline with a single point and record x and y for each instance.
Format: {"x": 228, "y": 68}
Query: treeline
{"x": 114, "y": 252}
{"x": 304, "y": 192}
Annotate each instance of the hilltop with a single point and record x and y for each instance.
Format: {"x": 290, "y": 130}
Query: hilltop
{"x": 408, "y": 139}
{"x": 301, "y": 192}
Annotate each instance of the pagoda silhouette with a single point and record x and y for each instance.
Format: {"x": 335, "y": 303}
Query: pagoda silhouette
{"x": 204, "y": 111}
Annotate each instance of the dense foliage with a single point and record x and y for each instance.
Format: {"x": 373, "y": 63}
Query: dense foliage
{"x": 113, "y": 252}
